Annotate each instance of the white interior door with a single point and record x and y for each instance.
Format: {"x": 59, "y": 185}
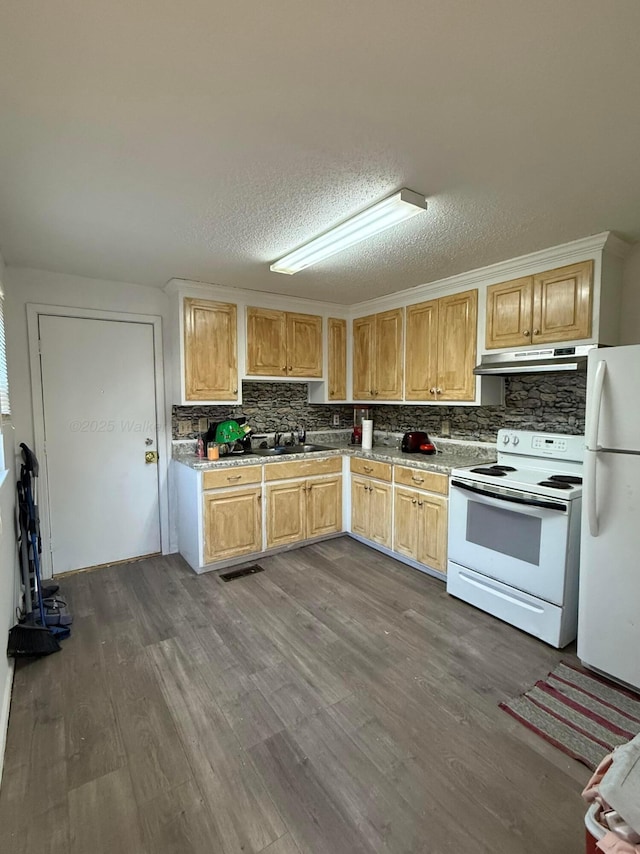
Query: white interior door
{"x": 98, "y": 387}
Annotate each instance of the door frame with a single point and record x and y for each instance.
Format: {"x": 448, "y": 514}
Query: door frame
{"x": 34, "y": 311}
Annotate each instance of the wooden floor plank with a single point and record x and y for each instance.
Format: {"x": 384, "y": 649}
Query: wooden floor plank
{"x": 104, "y": 817}
{"x": 337, "y": 702}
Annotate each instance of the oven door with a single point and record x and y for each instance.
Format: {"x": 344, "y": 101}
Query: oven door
{"x": 514, "y": 537}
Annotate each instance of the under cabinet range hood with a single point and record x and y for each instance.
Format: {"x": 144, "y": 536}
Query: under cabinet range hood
{"x": 540, "y": 360}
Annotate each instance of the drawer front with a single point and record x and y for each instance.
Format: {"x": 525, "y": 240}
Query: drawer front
{"x": 371, "y": 468}
{"x": 420, "y": 479}
{"x": 235, "y": 476}
{"x": 302, "y": 468}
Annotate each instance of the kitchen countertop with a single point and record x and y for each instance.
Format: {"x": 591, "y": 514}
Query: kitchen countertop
{"x": 451, "y": 454}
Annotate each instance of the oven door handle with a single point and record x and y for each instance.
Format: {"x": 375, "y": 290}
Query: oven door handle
{"x": 530, "y": 502}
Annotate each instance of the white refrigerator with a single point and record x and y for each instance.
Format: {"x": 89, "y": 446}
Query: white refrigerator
{"x": 609, "y": 609}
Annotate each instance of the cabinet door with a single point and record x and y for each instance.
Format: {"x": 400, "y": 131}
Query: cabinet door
{"x": 364, "y": 331}
{"x": 405, "y": 529}
{"x": 421, "y": 351}
{"x": 432, "y": 531}
{"x": 210, "y": 350}
{"x": 380, "y": 513}
{"x": 388, "y": 356}
{"x": 266, "y": 342}
{"x": 509, "y": 313}
{"x": 304, "y": 345}
{"x": 285, "y": 513}
{"x": 232, "y": 523}
{"x": 324, "y": 506}
{"x": 360, "y": 506}
{"x": 562, "y": 304}
{"x": 457, "y": 335}
{"x": 337, "y": 334}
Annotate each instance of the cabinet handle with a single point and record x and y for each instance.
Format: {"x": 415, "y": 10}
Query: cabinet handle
{"x": 417, "y": 479}
{"x": 371, "y": 392}
{"x": 234, "y": 477}
{"x": 284, "y": 368}
{"x": 536, "y": 332}
{"x": 420, "y": 503}
{"x": 413, "y": 501}
{"x": 432, "y": 390}
{"x": 526, "y": 333}
{"x": 235, "y": 391}
{"x": 438, "y": 391}
{"x": 368, "y": 469}
{"x": 290, "y": 368}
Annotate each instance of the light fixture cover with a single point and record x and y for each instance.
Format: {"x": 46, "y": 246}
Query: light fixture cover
{"x": 394, "y": 209}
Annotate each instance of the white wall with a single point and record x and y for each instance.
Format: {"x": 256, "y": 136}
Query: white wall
{"x": 630, "y": 317}
{"x": 8, "y": 567}
{"x": 24, "y": 286}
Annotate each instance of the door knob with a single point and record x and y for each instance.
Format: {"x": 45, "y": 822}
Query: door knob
{"x": 151, "y": 457}
{"x": 526, "y": 333}
{"x": 536, "y": 332}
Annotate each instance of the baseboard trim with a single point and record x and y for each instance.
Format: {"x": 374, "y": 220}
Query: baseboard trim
{"x": 421, "y": 567}
{"x": 4, "y": 713}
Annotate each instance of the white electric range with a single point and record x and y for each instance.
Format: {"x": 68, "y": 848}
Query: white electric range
{"x": 514, "y": 533}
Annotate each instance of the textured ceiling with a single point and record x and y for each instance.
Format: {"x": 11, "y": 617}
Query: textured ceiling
{"x": 145, "y": 140}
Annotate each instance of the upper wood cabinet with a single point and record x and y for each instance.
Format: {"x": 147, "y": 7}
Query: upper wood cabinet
{"x": 546, "y": 308}
{"x": 337, "y": 337}
{"x": 441, "y": 348}
{"x": 283, "y": 343}
{"x": 377, "y": 356}
{"x": 210, "y": 350}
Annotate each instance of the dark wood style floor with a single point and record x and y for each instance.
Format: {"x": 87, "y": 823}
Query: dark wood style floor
{"x": 337, "y": 703}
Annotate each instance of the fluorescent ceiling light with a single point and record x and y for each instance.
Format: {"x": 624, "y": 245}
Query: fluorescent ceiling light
{"x": 402, "y": 205}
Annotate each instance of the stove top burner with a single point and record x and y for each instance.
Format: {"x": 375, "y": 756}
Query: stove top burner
{"x": 566, "y": 478}
{"x": 556, "y": 484}
{"x": 493, "y": 471}
{"x": 502, "y": 468}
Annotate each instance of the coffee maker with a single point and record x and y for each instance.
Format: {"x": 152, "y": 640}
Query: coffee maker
{"x": 360, "y": 414}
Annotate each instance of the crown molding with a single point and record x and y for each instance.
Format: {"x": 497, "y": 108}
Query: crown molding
{"x": 259, "y": 298}
{"x": 513, "y": 268}
{"x": 502, "y": 271}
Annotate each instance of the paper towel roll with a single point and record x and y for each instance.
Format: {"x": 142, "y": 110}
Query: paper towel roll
{"x": 367, "y": 434}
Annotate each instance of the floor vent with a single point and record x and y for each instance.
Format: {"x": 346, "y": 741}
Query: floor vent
{"x": 240, "y": 573}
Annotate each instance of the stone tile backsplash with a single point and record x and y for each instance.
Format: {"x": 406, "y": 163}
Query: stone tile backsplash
{"x": 551, "y": 402}
{"x": 268, "y": 407}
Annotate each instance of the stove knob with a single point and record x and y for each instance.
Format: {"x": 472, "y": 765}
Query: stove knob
{"x": 505, "y": 440}
{"x": 516, "y": 440}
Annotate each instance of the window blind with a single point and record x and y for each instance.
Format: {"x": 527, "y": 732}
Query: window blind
{"x": 5, "y": 406}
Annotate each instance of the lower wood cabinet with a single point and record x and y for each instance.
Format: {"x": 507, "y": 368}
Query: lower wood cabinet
{"x": 371, "y": 509}
{"x": 232, "y": 523}
{"x": 303, "y": 509}
{"x": 420, "y": 527}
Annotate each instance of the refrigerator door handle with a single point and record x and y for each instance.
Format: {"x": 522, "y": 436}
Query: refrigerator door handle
{"x": 593, "y": 416}
{"x": 590, "y": 463}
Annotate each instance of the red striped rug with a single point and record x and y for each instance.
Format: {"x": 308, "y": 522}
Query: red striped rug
{"x": 578, "y": 712}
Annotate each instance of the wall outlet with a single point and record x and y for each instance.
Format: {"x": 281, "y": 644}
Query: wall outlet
{"x": 336, "y": 419}
{"x": 203, "y": 425}
{"x": 445, "y": 428}
{"x": 184, "y": 427}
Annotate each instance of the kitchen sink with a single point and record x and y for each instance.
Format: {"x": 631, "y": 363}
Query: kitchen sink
{"x": 291, "y": 449}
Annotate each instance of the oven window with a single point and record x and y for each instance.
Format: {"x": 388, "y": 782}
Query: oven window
{"x": 511, "y": 533}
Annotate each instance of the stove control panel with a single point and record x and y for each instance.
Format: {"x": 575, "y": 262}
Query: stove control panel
{"x": 552, "y": 445}
{"x": 549, "y": 443}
